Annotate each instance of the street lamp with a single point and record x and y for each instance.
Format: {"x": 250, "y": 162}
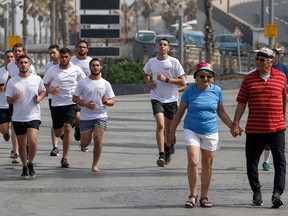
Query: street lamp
{"x": 181, "y": 50}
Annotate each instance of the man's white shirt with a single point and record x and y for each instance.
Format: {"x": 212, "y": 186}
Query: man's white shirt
{"x": 66, "y": 80}
{"x": 14, "y": 70}
{"x": 3, "y": 79}
{"x": 83, "y": 64}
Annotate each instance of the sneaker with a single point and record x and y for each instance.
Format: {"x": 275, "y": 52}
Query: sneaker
{"x": 54, "y": 152}
{"x": 172, "y": 150}
{"x": 77, "y": 135}
{"x": 266, "y": 166}
{"x": 83, "y": 149}
{"x": 31, "y": 170}
{"x": 167, "y": 151}
{"x": 15, "y": 159}
{"x": 276, "y": 200}
{"x": 6, "y": 137}
{"x": 25, "y": 173}
{"x": 161, "y": 161}
{"x": 64, "y": 163}
{"x": 257, "y": 199}
{"x": 12, "y": 154}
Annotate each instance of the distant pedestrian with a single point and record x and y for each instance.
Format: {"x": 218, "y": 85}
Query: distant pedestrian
{"x": 25, "y": 91}
{"x": 93, "y": 94}
{"x": 264, "y": 91}
{"x": 203, "y": 102}
{"x": 163, "y": 75}
{"x": 60, "y": 81}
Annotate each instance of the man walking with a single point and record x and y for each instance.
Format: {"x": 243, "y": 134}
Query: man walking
{"x": 264, "y": 90}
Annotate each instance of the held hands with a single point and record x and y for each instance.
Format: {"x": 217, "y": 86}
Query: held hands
{"x": 2, "y": 88}
{"x": 172, "y": 138}
{"x": 236, "y": 130}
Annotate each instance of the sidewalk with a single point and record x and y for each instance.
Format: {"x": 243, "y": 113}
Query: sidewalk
{"x": 130, "y": 183}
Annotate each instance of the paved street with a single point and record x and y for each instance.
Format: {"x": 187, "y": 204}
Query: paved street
{"x": 130, "y": 183}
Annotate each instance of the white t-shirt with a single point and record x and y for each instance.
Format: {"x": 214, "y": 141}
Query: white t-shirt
{"x": 3, "y": 79}
{"x": 25, "y": 109}
{"x": 66, "y": 80}
{"x": 14, "y": 70}
{"x": 83, "y": 64}
{"x": 46, "y": 68}
{"x": 93, "y": 90}
{"x": 170, "y": 68}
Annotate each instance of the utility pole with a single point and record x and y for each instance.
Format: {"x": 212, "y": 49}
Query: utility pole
{"x": 271, "y": 20}
{"x": 13, "y": 17}
{"x": 180, "y": 29}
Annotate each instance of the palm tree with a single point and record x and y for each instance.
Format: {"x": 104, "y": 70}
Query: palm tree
{"x": 64, "y": 19}
{"x": 25, "y": 21}
{"x": 208, "y": 31}
{"x": 149, "y": 6}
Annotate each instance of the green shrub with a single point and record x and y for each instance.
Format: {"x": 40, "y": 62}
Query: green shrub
{"x": 125, "y": 72}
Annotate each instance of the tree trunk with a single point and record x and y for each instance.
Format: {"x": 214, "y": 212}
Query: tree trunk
{"x": 208, "y": 32}
{"x": 52, "y": 22}
{"x": 65, "y": 30}
{"x": 25, "y": 21}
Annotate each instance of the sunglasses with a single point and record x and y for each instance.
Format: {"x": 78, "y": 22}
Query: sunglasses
{"x": 261, "y": 59}
{"x": 203, "y": 76}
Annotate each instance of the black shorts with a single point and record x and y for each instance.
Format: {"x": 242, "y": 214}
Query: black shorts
{"x": 169, "y": 109}
{"x": 20, "y": 128}
{"x": 63, "y": 114}
{"x": 50, "y": 102}
{"x": 5, "y": 116}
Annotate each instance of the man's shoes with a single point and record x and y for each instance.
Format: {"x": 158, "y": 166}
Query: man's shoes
{"x": 54, "y": 152}
{"x": 77, "y": 135}
{"x": 64, "y": 163}
{"x": 266, "y": 166}
{"x": 31, "y": 170}
{"x": 83, "y": 149}
{"x": 257, "y": 199}
{"x": 15, "y": 159}
{"x": 6, "y": 137}
{"x": 276, "y": 200}
{"x": 172, "y": 149}
{"x": 25, "y": 172}
{"x": 167, "y": 151}
{"x": 161, "y": 161}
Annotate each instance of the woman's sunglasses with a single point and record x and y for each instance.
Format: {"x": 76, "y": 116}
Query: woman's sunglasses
{"x": 203, "y": 76}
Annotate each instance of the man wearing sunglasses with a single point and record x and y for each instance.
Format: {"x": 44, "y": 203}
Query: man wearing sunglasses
{"x": 264, "y": 90}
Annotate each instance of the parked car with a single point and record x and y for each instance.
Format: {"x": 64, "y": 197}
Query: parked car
{"x": 173, "y": 44}
{"x": 227, "y": 42}
{"x": 193, "y": 37}
{"x": 145, "y": 36}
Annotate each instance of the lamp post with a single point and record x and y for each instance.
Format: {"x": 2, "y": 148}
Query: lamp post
{"x": 181, "y": 50}
{"x": 13, "y": 17}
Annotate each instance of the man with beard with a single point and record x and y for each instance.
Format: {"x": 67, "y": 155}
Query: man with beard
{"x": 82, "y": 60}
{"x": 25, "y": 91}
{"x": 93, "y": 94}
{"x": 60, "y": 81}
